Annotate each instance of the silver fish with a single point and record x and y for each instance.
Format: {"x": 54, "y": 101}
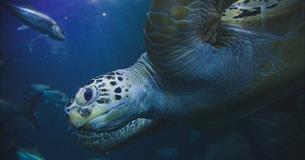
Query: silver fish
{"x": 25, "y": 154}
{"x": 50, "y": 94}
{"x": 40, "y": 87}
{"x": 37, "y": 20}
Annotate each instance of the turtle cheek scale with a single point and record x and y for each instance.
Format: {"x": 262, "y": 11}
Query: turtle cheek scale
{"x": 115, "y": 114}
{"x": 97, "y": 116}
{"x": 80, "y": 115}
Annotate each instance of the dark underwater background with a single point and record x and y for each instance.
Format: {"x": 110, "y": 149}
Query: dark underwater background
{"x": 101, "y": 36}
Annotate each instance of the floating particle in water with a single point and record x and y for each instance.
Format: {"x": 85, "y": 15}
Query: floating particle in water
{"x": 104, "y": 14}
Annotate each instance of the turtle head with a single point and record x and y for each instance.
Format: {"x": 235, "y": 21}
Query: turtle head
{"x": 108, "y": 111}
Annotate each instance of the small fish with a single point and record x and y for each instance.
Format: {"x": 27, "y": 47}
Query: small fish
{"x": 50, "y": 94}
{"x": 36, "y": 20}
{"x": 9, "y": 110}
{"x": 56, "y": 96}
{"x": 40, "y": 87}
{"x": 25, "y": 154}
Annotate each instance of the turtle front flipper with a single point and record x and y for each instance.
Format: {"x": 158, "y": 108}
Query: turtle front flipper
{"x": 272, "y": 16}
{"x": 179, "y": 32}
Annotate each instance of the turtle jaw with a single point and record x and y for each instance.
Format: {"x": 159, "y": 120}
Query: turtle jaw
{"x": 104, "y": 123}
{"x": 102, "y": 119}
{"x": 103, "y": 128}
{"x": 105, "y": 141}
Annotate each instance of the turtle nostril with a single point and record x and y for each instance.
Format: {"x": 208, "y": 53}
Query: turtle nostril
{"x": 67, "y": 111}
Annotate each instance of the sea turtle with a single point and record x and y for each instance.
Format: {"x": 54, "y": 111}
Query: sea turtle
{"x": 208, "y": 63}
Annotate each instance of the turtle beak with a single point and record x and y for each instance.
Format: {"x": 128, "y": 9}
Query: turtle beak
{"x": 76, "y": 119}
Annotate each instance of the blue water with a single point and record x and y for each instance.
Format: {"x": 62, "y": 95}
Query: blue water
{"x": 95, "y": 44}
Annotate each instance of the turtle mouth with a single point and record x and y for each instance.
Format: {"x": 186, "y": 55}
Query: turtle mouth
{"x": 105, "y": 141}
{"x": 108, "y": 121}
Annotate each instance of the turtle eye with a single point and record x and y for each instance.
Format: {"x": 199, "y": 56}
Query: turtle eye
{"x": 86, "y": 95}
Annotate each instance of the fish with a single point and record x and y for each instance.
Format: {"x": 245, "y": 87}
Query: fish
{"x": 50, "y": 94}
{"x": 56, "y": 96}
{"x": 9, "y": 110}
{"x": 25, "y": 154}
{"x": 36, "y": 20}
{"x": 40, "y": 87}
